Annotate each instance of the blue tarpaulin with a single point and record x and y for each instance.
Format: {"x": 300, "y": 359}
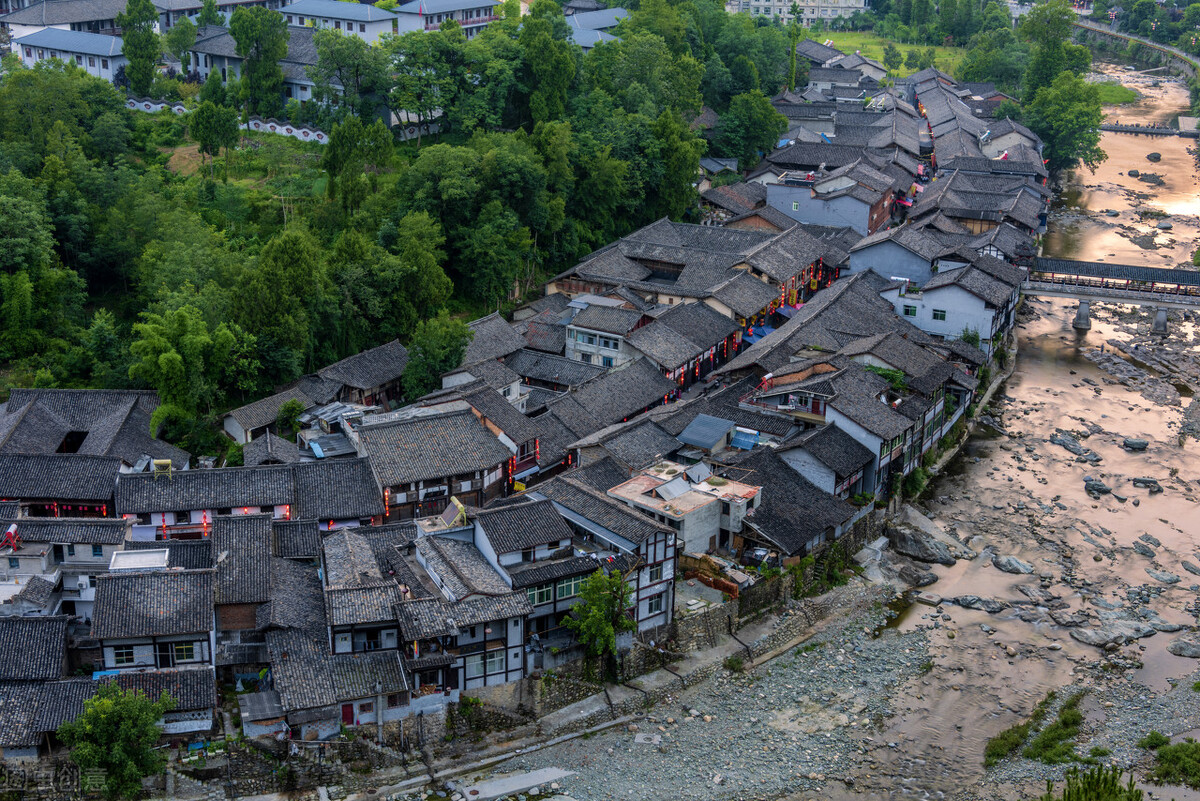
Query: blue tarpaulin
{"x": 744, "y": 440}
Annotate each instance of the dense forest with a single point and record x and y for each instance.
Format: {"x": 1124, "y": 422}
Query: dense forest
{"x": 124, "y": 263}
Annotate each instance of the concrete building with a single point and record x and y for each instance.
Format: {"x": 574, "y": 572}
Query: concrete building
{"x": 356, "y": 19}
{"x": 95, "y": 53}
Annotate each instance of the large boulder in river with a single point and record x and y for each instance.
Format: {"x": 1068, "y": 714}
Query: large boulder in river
{"x": 1134, "y": 444}
{"x": 989, "y": 605}
{"x": 1113, "y": 631}
{"x": 1188, "y": 645}
{"x": 917, "y": 545}
{"x": 1011, "y": 564}
{"x": 915, "y": 577}
{"x": 1155, "y": 157}
{"x": 1134, "y": 173}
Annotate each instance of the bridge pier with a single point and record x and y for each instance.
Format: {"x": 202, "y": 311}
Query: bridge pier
{"x": 1160, "y": 323}
{"x": 1083, "y": 322}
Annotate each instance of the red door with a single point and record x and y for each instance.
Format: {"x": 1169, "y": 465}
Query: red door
{"x": 348, "y": 714}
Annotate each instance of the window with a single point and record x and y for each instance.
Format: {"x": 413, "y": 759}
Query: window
{"x": 185, "y": 651}
{"x": 606, "y": 361}
{"x": 97, "y": 551}
{"x": 569, "y": 588}
{"x": 79, "y": 60}
{"x": 28, "y": 53}
{"x": 474, "y": 632}
{"x": 609, "y": 343}
{"x": 123, "y": 655}
{"x": 13, "y": 563}
{"x": 656, "y": 572}
{"x": 183, "y": 517}
{"x": 300, "y": 19}
{"x": 910, "y": 311}
{"x": 540, "y": 595}
{"x": 289, "y": 19}
{"x": 366, "y": 706}
{"x": 795, "y": 205}
{"x": 144, "y": 519}
{"x": 655, "y": 604}
{"x": 527, "y": 555}
{"x": 92, "y": 582}
{"x": 224, "y": 511}
{"x": 91, "y": 61}
{"x": 474, "y": 666}
{"x": 70, "y": 550}
{"x": 586, "y": 358}
{"x": 104, "y": 63}
{"x": 725, "y": 504}
{"x": 495, "y": 661}
{"x": 362, "y": 27}
{"x": 397, "y": 699}
{"x": 939, "y": 314}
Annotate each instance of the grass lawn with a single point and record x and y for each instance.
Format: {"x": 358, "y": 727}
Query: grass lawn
{"x": 1113, "y": 93}
{"x": 872, "y": 46}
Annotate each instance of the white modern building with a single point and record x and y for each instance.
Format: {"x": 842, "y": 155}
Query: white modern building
{"x": 95, "y": 53}
{"x": 356, "y": 19}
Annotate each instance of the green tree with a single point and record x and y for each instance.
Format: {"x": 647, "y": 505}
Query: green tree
{"x": 116, "y": 734}
{"x": 752, "y": 126}
{"x": 214, "y": 127}
{"x": 179, "y": 40}
{"x": 287, "y": 421}
{"x": 261, "y": 39}
{"x": 679, "y": 152}
{"x": 353, "y": 66}
{"x": 422, "y": 80}
{"x": 891, "y": 57}
{"x": 209, "y": 15}
{"x": 1066, "y": 115}
{"x": 354, "y": 149}
{"x": 601, "y": 614}
{"x": 437, "y": 347}
{"x": 549, "y": 66}
{"x": 26, "y": 238}
{"x": 141, "y": 45}
{"x": 213, "y": 90}
{"x": 109, "y": 136}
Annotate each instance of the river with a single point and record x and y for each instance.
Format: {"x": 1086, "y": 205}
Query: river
{"x": 1018, "y": 494}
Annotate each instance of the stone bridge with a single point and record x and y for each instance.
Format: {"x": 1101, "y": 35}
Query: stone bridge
{"x": 1092, "y": 281}
{"x": 1168, "y": 56}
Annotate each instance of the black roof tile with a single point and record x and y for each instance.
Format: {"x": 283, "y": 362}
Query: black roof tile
{"x": 155, "y": 603}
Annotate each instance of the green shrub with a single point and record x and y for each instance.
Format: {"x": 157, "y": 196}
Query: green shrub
{"x": 1153, "y": 740}
{"x": 734, "y": 663}
{"x": 914, "y": 482}
{"x": 1011, "y": 739}
{"x": 1097, "y": 784}
{"x": 1177, "y": 764}
{"x": 1053, "y": 745}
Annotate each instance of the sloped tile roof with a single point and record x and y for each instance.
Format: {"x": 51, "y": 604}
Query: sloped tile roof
{"x": 601, "y": 475}
{"x": 551, "y": 369}
{"x": 836, "y": 449}
{"x": 264, "y": 411}
{"x": 184, "y": 554}
{"x": 296, "y": 539}
{"x": 270, "y": 449}
{"x": 599, "y": 508}
{"x": 242, "y": 548}
{"x": 429, "y": 447}
{"x": 336, "y": 489}
{"x": 621, "y": 393}
{"x": 160, "y": 603}
{"x": 461, "y": 567}
{"x": 67, "y": 476}
{"x": 702, "y": 325}
{"x": 370, "y": 369}
{"x": 513, "y": 528}
{"x": 544, "y": 572}
{"x": 32, "y": 647}
{"x": 640, "y": 445}
{"x": 66, "y": 530}
{"x": 609, "y": 319}
{"x": 662, "y": 345}
{"x": 493, "y": 338}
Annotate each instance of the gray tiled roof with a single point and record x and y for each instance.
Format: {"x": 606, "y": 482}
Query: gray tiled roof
{"x": 296, "y": 539}
{"x": 701, "y": 324}
{"x": 131, "y": 605}
{"x": 746, "y": 295}
{"x": 370, "y": 369}
{"x": 609, "y": 319}
{"x": 348, "y": 559}
{"x": 815, "y": 51}
{"x": 495, "y": 374}
{"x": 19, "y": 705}
{"x": 463, "y": 570}
{"x": 65, "y": 476}
{"x": 270, "y": 449}
{"x": 725, "y": 404}
{"x": 335, "y": 489}
{"x": 496, "y": 408}
{"x": 295, "y": 599}
{"x": 242, "y": 548}
{"x": 602, "y": 475}
{"x": 513, "y": 528}
{"x": 599, "y": 508}
{"x": 66, "y": 530}
{"x": 663, "y": 345}
{"x": 554, "y": 438}
{"x": 793, "y": 511}
{"x": 836, "y": 449}
{"x": 32, "y": 647}
{"x": 429, "y": 447}
{"x": 193, "y": 688}
{"x": 493, "y": 338}
{"x": 975, "y": 281}
{"x": 547, "y": 337}
{"x": 264, "y": 411}
{"x": 551, "y": 369}
{"x": 73, "y": 42}
{"x": 737, "y": 198}
{"x": 620, "y": 393}
{"x": 36, "y": 592}
{"x": 63, "y": 12}
{"x": 116, "y": 423}
{"x": 640, "y": 445}
{"x": 184, "y": 554}
{"x": 544, "y": 572}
